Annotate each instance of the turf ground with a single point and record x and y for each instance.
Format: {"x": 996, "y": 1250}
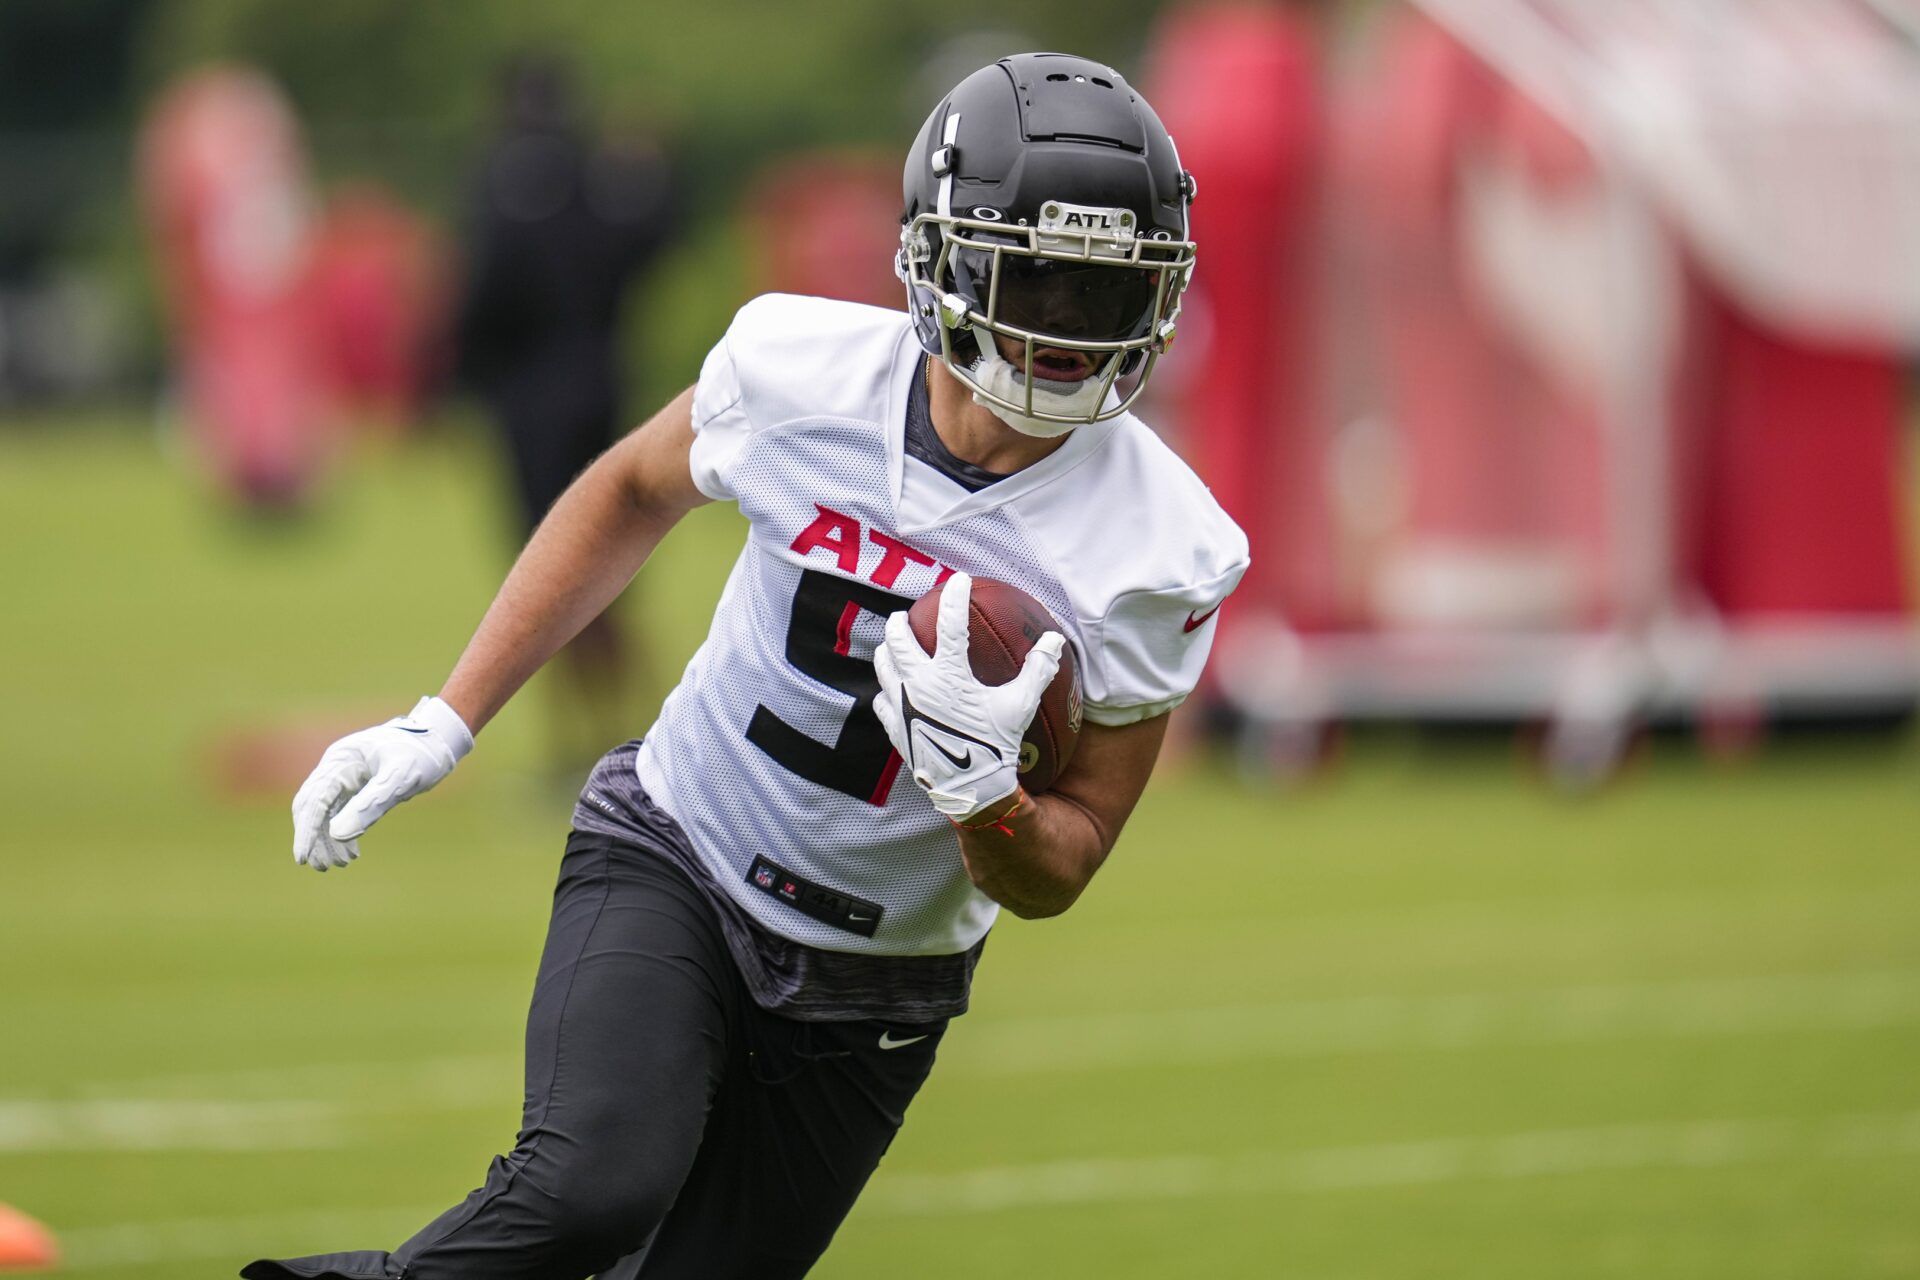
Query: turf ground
{"x": 1419, "y": 1020}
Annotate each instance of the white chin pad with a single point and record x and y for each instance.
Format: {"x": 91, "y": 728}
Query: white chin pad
{"x": 999, "y": 377}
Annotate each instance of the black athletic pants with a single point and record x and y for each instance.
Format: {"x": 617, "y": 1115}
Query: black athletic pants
{"x": 672, "y": 1127}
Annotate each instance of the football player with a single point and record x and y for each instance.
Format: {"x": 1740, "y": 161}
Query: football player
{"x": 765, "y": 919}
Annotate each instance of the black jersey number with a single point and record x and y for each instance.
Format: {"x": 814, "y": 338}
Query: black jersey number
{"x": 861, "y": 763}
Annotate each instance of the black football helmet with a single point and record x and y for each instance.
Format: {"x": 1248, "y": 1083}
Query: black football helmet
{"x": 1045, "y": 203}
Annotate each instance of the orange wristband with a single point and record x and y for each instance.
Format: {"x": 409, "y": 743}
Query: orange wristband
{"x": 1020, "y": 801}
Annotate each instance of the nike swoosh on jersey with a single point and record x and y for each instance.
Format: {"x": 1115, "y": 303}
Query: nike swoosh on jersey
{"x": 1192, "y": 623}
{"x": 888, "y": 1042}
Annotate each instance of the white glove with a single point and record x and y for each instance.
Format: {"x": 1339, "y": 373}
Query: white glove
{"x": 367, "y": 773}
{"x": 959, "y": 737}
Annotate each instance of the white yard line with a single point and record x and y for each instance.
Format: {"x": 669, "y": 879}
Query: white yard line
{"x": 1393, "y": 1024}
{"x": 1692, "y": 1145}
{"x": 469, "y": 1080}
{"x": 139, "y": 1124}
{"x": 985, "y": 1045}
{"x": 1547, "y": 1153}
{"x": 238, "y": 1240}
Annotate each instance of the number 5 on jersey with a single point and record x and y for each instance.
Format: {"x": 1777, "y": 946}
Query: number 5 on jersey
{"x": 861, "y": 763}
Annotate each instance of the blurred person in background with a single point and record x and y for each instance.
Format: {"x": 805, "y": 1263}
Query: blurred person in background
{"x": 561, "y": 226}
{"x": 228, "y": 203}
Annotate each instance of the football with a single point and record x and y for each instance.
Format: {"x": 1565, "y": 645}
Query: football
{"x": 1003, "y": 623}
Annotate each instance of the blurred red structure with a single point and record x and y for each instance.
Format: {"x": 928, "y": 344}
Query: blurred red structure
{"x": 285, "y": 321}
{"x": 1796, "y": 473}
{"x": 828, "y": 224}
{"x": 379, "y": 286}
{"x": 224, "y": 174}
{"x": 1239, "y": 86}
{"x": 1552, "y": 356}
{"x": 1505, "y": 522}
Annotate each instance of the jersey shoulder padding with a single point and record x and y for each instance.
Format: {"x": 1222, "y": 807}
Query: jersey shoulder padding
{"x": 798, "y": 357}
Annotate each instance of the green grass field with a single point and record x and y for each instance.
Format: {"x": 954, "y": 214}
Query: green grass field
{"x": 1418, "y": 1020}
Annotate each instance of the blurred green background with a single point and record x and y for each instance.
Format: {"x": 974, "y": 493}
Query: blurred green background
{"x": 1417, "y": 1017}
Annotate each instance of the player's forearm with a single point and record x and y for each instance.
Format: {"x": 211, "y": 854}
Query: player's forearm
{"x": 1034, "y": 854}
{"x": 584, "y": 553}
{"x": 577, "y": 562}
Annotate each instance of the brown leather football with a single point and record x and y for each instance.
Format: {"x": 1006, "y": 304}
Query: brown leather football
{"x": 1003, "y": 623}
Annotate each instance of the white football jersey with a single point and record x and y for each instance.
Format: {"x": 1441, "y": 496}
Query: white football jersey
{"x": 769, "y": 753}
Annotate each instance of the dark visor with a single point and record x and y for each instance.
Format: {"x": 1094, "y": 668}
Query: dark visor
{"x": 1091, "y": 302}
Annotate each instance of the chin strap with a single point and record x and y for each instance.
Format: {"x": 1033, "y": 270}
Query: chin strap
{"x": 997, "y": 375}
{"x": 1038, "y": 428}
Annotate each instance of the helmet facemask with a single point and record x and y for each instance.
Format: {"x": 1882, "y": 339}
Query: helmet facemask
{"x": 1080, "y": 281}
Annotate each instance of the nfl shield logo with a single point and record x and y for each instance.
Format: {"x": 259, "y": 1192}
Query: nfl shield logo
{"x": 763, "y": 877}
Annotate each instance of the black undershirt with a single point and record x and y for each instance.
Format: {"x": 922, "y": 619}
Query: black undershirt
{"x": 924, "y": 443}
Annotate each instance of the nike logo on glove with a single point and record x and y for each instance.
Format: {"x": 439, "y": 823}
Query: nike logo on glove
{"x": 959, "y": 762}
{"x": 913, "y": 714}
{"x": 406, "y": 728}
{"x": 1192, "y": 623}
{"x": 888, "y": 1042}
